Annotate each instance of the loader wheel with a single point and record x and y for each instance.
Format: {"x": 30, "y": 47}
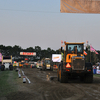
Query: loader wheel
{"x": 2, "y": 68}
{"x": 58, "y": 75}
{"x": 63, "y": 77}
{"x": 11, "y": 67}
{"x": 88, "y": 78}
{"x": 81, "y": 78}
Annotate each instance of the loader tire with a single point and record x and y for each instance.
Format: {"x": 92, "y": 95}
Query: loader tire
{"x": 11, "y": 67}
{"x": 58, "y": 75}
{"x": 2, "y": 68}
{"x": 81, "y": 78}
{"x": 63, "y": 76}
{"x": 63, "y": 79}
{"x": 88, "y": 78}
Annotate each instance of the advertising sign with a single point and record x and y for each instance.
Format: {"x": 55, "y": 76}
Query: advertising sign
{"x": 56, "y": 57}
{"x": 80, "y": 6}
{"x": 98, "y": 71}
{"x": 28, "y": 53}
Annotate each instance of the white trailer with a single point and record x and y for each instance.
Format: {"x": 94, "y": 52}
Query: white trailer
{"x": 6, "y": 63}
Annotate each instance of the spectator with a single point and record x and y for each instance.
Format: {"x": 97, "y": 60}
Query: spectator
{"x": 69, "y": 50}
{"x": 80, "y": 49}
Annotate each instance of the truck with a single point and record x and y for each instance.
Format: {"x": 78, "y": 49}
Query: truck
{"x": 6, "y": 63}
{"x": 46, "y": 64}
{"x": 74, "y": 64}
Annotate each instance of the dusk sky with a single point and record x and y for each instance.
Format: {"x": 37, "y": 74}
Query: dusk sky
{"x": 30, "y": 23}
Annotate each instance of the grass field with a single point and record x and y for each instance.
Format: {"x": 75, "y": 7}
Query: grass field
{"x": 7, "y": 82}
{"x": 96, "y": 75}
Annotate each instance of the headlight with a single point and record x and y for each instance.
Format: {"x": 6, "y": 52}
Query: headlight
{"x": 48, "y": 65}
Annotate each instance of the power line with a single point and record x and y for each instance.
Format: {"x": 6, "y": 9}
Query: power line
{"x": 28, "y": 11}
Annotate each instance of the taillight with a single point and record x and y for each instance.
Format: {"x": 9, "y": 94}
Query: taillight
{"x": 89, "y": 70}
{"x": 68, "y": 65}
{"x": 67, "y": 70}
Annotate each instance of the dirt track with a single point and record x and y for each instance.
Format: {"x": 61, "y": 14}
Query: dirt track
{"x": 44, "y": 86}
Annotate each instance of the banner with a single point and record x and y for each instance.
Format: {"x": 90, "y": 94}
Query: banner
{"x": 93, "y": 50}
{"x": 80, "y": 6}
{"x": 28, "y": 53}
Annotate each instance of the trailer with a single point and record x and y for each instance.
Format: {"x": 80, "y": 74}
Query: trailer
{"x": 6, "y": 63}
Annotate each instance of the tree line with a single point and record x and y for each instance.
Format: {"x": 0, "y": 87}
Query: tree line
{"x": 45, "y": 53}
{"x": 15, "y": 52}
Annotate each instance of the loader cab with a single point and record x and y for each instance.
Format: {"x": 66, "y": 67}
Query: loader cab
{"x": 47, "y": 61}
{"x": 73, "y": 49}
